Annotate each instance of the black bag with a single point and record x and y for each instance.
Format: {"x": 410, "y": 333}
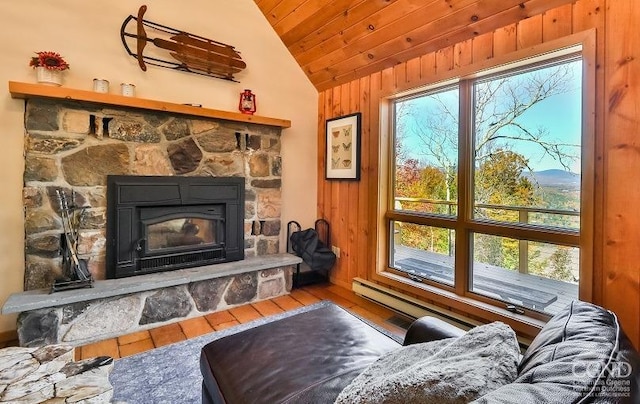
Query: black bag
{"x": 307, "y": 245}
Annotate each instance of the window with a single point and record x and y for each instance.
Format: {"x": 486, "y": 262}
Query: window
{"x": 487, "y": 186}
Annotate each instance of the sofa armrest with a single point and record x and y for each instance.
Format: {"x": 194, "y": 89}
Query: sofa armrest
{"x": 428, "y": 328}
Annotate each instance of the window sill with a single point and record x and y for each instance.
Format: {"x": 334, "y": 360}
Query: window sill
{"x": 522, "y": 324}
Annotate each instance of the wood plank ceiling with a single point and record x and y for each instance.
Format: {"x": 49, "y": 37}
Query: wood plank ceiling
{"x": 336, "y": 41}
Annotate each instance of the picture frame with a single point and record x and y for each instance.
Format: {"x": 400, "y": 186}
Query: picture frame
{"x": 342, "y": 161}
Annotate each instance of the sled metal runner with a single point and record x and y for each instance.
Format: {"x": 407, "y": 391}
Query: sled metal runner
{"x": 186, "y": 52}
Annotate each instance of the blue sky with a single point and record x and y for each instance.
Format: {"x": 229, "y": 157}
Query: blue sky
{"x": 560, "y": 114}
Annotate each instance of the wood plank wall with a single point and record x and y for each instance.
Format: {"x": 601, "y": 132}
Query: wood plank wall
{"x": 351, "y": 207}
{"x": 620, "y": 277}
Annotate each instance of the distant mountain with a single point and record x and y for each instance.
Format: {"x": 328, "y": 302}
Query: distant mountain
{"x": 554, "y": 178}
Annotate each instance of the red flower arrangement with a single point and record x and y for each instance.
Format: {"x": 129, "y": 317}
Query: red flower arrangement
{"x": 49, "y": 60}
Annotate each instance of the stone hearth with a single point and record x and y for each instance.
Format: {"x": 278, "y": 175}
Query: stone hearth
{"x": 117, "y": 307}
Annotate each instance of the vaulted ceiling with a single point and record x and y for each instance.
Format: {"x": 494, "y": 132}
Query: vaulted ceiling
{"x": 336, "y": 41}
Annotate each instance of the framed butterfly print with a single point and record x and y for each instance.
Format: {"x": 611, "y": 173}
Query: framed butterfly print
{"x": 343, "y": 147}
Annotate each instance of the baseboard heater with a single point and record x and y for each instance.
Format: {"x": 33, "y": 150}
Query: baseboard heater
{"x": 407, "y": 305}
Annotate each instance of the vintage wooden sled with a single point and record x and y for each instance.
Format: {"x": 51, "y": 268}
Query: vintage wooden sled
{"x": 186, "y": 52}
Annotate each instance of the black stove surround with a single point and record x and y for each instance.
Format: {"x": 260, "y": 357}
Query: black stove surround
{"x": 157, "y": 223}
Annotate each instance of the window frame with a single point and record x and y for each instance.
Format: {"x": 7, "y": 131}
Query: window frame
{"x": 459, "y": 296}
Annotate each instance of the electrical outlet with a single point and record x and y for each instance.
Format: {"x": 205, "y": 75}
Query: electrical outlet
{"x": 336, "y": 250}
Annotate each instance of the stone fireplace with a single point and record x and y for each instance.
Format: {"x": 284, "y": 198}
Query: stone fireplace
{"x": 77, "y": 148}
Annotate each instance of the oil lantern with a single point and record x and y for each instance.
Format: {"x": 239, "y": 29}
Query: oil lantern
{"x": 247, "y": 103}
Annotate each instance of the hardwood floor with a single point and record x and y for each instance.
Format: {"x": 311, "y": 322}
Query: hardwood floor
{"x": 145, "y": 340}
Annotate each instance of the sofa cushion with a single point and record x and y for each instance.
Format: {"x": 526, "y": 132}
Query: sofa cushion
{"x": 308, "y": 357}
{"x": 581, "y": 352}
{"x": 453, "y": 370}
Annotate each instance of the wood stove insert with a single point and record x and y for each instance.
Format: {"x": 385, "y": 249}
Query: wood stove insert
{"x": 159, "y": 223}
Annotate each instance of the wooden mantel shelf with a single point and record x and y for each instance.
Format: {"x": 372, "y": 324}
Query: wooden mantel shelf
{"x": 30, "y": 90}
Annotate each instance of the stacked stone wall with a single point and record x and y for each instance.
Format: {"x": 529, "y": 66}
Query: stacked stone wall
{"x": 73, "y": 147}
{"x": 49, "y": 375}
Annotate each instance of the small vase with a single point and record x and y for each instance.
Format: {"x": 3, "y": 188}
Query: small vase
{"x": 48, "y": 77}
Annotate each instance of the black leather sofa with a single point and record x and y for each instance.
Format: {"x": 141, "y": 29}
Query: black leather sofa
{"x": 580, "y": 356}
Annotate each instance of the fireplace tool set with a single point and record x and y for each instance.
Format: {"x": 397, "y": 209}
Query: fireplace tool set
{"x": 75, "y": 270}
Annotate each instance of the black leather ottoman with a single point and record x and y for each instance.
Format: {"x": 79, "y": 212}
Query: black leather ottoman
{"x": 307, "y": 358}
